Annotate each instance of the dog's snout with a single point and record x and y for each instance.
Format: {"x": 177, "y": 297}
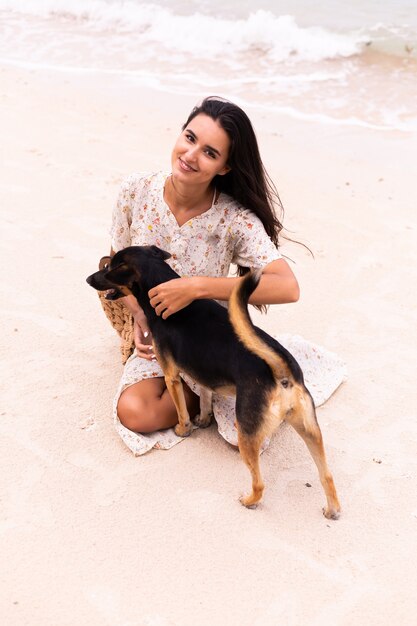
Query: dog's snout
{"x": 97, "y": 281}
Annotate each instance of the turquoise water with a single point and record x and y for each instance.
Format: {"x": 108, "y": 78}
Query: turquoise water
{"x": 331, "y": 62}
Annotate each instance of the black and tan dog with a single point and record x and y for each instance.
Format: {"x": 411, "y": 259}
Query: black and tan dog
{"x": 224, "y": 352}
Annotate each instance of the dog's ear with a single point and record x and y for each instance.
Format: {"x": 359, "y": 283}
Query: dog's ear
{"x": 104, "y": 262}
{"x": 160, "y": 254}
{"x": 121, "y": 275}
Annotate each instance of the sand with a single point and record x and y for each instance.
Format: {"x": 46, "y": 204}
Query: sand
{"x": 92, "y": 535}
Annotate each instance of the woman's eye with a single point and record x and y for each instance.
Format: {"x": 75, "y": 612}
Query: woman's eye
{"x": 209, "y": 152}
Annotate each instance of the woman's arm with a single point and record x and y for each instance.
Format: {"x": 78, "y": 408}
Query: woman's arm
{"x": 278, "y": 285}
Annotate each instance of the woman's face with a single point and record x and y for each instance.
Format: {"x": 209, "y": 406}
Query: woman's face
{"x": 201, "y": 151}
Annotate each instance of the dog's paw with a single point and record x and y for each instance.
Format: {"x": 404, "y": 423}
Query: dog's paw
{"x": 183, "y": 430}
{"x": 203, "y": 421}
{"x": 248, "y": 502}
{"x": 331, "y": 513}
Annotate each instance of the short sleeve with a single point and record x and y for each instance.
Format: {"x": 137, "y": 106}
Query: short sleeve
{"x": 252, "y": 245}
{"x": 122, "y": 217}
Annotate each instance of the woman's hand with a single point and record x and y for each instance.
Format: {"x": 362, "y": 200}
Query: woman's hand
{"x": 172, "y": 296}
{"x": 141, "y": 334}
{"x": 142, "y": 337}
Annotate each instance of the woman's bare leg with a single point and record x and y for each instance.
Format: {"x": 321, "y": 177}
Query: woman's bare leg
{"x": 147, "y": 406}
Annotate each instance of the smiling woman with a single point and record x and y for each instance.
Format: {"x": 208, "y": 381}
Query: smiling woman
{"x": 199, "y": 155}
{"x": 215, "y": 208}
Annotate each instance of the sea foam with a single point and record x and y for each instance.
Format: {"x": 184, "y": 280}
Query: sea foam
{"x": 276, "y": 37}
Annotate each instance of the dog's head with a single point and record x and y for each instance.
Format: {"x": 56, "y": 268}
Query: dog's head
{"x": 118, "y": 273}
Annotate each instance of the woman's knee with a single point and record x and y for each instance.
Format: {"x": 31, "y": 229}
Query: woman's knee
{"x": 146, "y": 407}
{"x": 133, "y": 411}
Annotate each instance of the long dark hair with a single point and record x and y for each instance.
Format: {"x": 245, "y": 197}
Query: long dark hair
{"x": 247, "y": 182}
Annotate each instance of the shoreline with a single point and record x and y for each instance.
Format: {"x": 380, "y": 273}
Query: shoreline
{"x": 329, "y": 83}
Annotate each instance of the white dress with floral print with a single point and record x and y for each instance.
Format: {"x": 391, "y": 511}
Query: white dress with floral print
{"x": 206, "y": 245}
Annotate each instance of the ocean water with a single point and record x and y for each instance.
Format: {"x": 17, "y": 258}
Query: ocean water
{"x": 336, "y": 62}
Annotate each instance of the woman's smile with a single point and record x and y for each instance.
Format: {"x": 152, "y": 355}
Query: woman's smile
{"x": 184, "y": 166}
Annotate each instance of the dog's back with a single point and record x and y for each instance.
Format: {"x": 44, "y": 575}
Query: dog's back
{"x": 219, "y": 347}
{"x": 205, "y": 343}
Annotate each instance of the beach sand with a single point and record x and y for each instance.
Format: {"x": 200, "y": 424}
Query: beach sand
{"x": 92, "y": 535}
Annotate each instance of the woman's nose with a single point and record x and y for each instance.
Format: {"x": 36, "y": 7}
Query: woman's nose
{"x": 191, "y": 153}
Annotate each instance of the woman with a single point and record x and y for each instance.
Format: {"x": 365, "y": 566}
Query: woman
{"x": 215, "y": 208}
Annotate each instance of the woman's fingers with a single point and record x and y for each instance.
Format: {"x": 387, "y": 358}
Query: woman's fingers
{"x": 156, "y": 299}
{"x": 158, "y": 303}
{"x": 159, "y": 310}
{"x": 143, "y": 342}
{"x": 170, "y": 297}
{"x": 145, "y": 352}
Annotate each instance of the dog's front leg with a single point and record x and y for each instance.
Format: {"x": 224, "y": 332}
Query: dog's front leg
{"x": 206, "y": 408}
{"x": 174, "y": 385}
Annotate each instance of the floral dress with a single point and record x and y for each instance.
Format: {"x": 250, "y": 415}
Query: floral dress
{"x": 206, "y": 245}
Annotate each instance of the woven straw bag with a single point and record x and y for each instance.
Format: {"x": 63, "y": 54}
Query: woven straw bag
{"x": 119, "y": 317}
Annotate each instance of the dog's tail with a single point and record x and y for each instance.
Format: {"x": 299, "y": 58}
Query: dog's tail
{"x": 245, "y": 330}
